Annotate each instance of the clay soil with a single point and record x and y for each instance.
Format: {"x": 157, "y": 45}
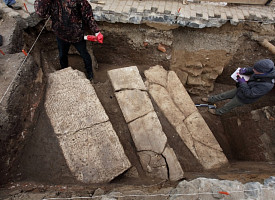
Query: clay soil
{"x": 43, "y": 164}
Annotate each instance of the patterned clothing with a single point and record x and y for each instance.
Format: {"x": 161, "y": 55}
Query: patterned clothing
{"x": 69, "y": 17}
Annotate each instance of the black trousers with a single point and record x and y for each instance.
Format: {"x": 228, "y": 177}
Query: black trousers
{"x": 64, "y": 47}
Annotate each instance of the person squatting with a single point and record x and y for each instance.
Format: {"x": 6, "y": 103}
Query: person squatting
{"x": 261, "y": 81}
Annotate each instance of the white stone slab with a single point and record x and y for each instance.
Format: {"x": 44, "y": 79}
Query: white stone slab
{"x": 156, "y": 74}
{"x": 209, "y": 152}
{"x": 88, "y": 141}
{"x": 166, "y": 104}
{"x": 95, "y": 154}
{"x": 153, "y": 164}
{"x": 179, "y": 94}
{"x": 175, "y": 171}
{"x": 72, "y": 105}
{"x": 126, "y": 78}
{"x": 147, "y": 133}
{"x": 134, "y": 104}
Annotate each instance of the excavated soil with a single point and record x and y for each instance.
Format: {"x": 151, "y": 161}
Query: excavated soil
{"x": 42, "y": 161}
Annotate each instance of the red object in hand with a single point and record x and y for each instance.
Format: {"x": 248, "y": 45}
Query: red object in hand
{"x": 90, "y": 38}
{"x": 222, "y": 192}
{"x": 98, "y": 37}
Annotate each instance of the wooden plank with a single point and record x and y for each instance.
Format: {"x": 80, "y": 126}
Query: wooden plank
{"x": 259, "y": 2}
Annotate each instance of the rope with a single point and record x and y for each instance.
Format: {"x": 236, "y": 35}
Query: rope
{"x": 23, "y": 61}
{"x": 154, "y": 195}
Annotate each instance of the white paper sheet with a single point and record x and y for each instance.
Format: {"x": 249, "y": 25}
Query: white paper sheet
{"x": 234, "y": 75}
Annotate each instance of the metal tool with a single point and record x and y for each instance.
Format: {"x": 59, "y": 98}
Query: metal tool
{"x": 206, "y": 105}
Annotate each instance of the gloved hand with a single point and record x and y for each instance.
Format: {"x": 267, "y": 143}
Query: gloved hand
{"x": 242, "y": 71}
{"x": 99, "y": 37}
{"x": 240, "y": 79}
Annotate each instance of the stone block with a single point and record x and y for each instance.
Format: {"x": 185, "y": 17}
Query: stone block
{"x": 229, "y": 14}
{"x": 126, "y": 78}
{"x": 211, "y": 13}
{"x": 141, "y": 7}
{"x": 166, "y": 104}
{"x": 194, "y": 80}
{"x": 157, "y": 75}
{"x": 147, "y": 133}
{"x": 161, "y": 7}
{"x": 148, "y": 6}
{"x": 179, "y": 95}
{"x": 175, "y": 171}
{"x": 168, "y": 7}
{"x": 217, "y": 13}
{"x": 155, "y": 6}
{"x": 234, "y": 20}
{"x": 134, "y": 104}
{"x": 245, "y": 14}
{"x": 120, "y": 7}
{"x": 205, "y": 16}
{"x": 187, "y": 138}
{"x": 88, "y": 141}
{"x": 196, "y": 23}
{"x": 182, "y": 75}
{"x": 129, "y": 3}
{"x": 252, "y": 15}
{"x": 258, "y": 16}
{"x": 66, "y": 110}
{"x": 153, "y": 164}
{"x": 94, "y": 155}
{"x": 209, "y": 152}
{"x": 223, "y": 17}
{"x": 193, "y": 14}
{"x": 175, "y": 7}
{"x": 186, "y": 14}
{"x": 240, "y": 15}
{"x": 114, "y": 6}
{"x": 126, "y": 9}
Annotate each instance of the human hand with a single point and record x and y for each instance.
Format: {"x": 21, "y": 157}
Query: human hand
{"x": 240, "y": 79}
{"x": 99, "y": 37}
{"x": 242, "y": 71}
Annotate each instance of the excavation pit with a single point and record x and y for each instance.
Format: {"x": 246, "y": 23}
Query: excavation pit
{"x": 203, "y": 59}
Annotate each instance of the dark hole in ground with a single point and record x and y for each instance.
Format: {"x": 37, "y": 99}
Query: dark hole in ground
{"x": 42, "y": 160}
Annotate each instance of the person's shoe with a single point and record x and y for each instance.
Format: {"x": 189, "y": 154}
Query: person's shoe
{"x": 205, "y": 99}
{"x": 212, "y": 111}
{"x": 15, "y": 7}
{"x": 91, "y": 79}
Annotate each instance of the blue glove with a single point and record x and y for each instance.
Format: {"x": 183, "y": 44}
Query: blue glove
{"x": 240, "y": 79}
{"x": 242, "y": 71}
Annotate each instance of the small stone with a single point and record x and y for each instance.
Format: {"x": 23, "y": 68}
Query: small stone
{"x": 161, "y": 48}
{"x": 145, "y": 44}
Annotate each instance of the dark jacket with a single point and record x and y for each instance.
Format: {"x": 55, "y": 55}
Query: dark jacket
{"x": 69, "y": 17}
{"x": 257, "y": 86}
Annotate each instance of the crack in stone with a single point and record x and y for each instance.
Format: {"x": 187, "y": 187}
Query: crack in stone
{"x": 72, "y": 133}
{"x": 124, "y": 89}
{"x": 141, "y": 116}
{"x": 208, "y": 146}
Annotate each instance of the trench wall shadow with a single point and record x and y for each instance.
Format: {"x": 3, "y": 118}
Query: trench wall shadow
{"x": 42, "y": 158}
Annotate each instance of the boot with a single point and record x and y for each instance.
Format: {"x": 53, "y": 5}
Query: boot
{"x": 15, "y": 6}
{"x": 205, "y": 99}
{"x": 212, "y": 111}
